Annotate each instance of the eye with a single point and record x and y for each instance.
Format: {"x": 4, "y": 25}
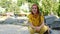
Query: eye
{"x": 35, "y": 8}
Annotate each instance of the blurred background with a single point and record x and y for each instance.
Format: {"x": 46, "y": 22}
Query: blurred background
{"x": 13, "y": 15}
{"x": 23, "y": 6}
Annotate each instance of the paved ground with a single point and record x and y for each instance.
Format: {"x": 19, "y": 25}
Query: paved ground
{"x": 16, "y": 29}
{"x": 55, "y": 32}
{"x": 13, "y": 29}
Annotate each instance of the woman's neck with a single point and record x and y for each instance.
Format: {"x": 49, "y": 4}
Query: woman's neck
{"x": 35, "y": 15}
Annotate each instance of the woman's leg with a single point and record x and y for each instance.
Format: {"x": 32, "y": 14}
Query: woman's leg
{"x": 47, "y": 32}
{"x": 31, "y": 30}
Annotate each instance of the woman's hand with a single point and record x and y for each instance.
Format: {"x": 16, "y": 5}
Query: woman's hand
{"x": 38, "y": 28}
{"x": 33, "y": 27}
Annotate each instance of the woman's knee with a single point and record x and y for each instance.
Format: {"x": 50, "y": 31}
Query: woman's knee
{"x": 31, "y": 30}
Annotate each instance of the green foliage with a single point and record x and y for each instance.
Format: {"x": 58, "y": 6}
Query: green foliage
{"x": 10, "y": 7}
{"x": 33, "y": 1}
{"x": 20, "y": 2}
{"x": 49, "y": 5}
{"x": 58, "y": 11}
{"x": 46, "y": 8}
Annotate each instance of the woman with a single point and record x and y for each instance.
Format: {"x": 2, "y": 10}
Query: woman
{"x": 36, "y": 20}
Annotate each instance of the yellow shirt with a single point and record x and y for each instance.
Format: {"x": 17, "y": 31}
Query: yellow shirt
{"x": 37, "y": 22}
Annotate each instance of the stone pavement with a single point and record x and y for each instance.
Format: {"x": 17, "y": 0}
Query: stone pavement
{"x": 13, "y": 29}
{"x": 55, "y": 32}
{"x": 17, "y": 29}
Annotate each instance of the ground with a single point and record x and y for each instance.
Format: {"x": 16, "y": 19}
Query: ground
{"x": 8, "y": 26}
{"x": 17, "y": 29}
{"x": 13, "y": 29}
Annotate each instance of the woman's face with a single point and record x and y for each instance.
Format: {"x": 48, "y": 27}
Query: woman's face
{"x": 34, "y": 9}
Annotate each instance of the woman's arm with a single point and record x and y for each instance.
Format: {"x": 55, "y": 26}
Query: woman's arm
{"x": 41, "y": 25}
{"x": 30, "y": 21}
{"x": 42, "y": 20}
{"x": 32, "y": 26}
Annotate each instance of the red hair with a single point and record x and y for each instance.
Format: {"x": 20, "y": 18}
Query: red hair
{"x": 37, "y": 8}
{"x": 37, "y": 12}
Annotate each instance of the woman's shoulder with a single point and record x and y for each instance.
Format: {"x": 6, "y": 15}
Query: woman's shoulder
{"x": 30, "y": 15}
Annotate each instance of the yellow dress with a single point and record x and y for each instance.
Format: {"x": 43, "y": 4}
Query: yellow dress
{"x": 36, "y": 22}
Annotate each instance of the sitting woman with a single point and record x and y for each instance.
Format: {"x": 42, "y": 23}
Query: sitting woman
{"x": 36, "y": 20}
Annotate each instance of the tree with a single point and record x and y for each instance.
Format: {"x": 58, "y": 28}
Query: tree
{"x": 10, "y": 7}
{"x": 20, "y": 2}
{"x": 58, "y": 11}
{"x": 49, "y": 6}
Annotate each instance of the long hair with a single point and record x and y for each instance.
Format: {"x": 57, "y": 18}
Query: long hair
{"x": 37, "y": 11}
{"x": 37, "y": 8}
